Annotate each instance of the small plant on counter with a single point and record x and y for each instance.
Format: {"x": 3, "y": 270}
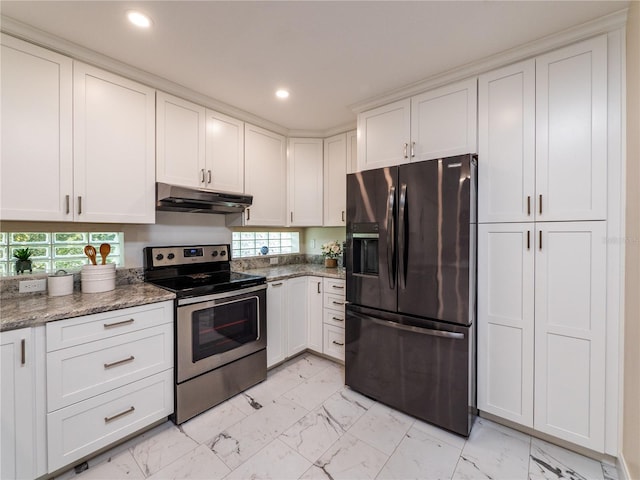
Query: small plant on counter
{"x": 23, "y": 262}
{"x": 331, "y": 249}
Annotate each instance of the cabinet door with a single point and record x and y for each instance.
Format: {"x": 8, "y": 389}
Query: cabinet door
{"x": 570, "y": 331}
{"x": 180, "y": 141}
{"x": 265, "y": 177}
{"x": 352, "y": 151}
{"x": 297, "y": 317}
{"x": 506, "y": 321}
{"x": 276, "y": 323}
{"x": 225, "y": 153}
{"x": 506, "y": 117}
{"x": 305, "y": 181}
{"x": 314, "y": 308}
{"x": 383, "y": 136}
{"x": 571, "y": 132}
{"x": 36, "y": 102}
{"x": 443, "y": 121}
{"x": 114, "y": 148}
{"x": 17, "y": 404}
{"x": 335, "y": 180}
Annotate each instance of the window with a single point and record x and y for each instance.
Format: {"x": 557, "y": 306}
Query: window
{"x": 253, "y": 244}
{"x": 55, "y": 251}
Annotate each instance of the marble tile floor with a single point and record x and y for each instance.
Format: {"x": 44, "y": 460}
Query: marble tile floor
{"x": 303, "y": 423}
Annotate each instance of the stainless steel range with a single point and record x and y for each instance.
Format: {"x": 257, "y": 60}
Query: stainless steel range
{"x": 220, "y": 324}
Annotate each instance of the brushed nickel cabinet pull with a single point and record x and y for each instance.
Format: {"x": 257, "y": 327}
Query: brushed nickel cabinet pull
{"x": 529, "y": 205}
{"x": 66, "y": 200}
{"x": 413, "y": 149}
{"x": 292, "y": 216}
{"x": 339, "y": 287}
{"x": 119, "y": 324}
{"x": 202, "y": 175}
{"x": 319, "y": 287}
{"x": 119, "y": 362}
{"x": 248, "y": 214}
{"x": 79, "y": 204}
{"x": 540, "y": 240}
{"x": 337, "y": 343}
{"x": 118, "y": 415}
{"x": 338, "y": 319}
{"x": 343, "y": 215}
{"x": 23, "y": 351}
{"x": 404, "y": 150}
{"x": 276, "y": 284}
{"x": 337, "y": 303}
{"x": 528, "y": 239}
{"x": 540, "y": 204}
{"x": 208, "y": 176}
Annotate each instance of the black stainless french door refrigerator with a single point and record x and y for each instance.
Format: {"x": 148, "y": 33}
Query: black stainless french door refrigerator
{"x": 411, "y": 291}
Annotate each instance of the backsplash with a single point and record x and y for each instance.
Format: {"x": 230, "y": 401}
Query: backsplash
{"x": 265, "y": 261}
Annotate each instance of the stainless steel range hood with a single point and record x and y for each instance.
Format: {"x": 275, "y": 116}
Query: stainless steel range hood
{"x": 182, "y": 199}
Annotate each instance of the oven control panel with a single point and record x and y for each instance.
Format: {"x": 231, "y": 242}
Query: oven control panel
{"x": 174, "y": 256}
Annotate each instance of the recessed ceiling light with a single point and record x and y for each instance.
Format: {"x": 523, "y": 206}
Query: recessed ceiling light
{"x": 282, "y": 93}
{"x": 139, "y": 19}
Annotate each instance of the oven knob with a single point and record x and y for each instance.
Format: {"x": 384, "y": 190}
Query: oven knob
{"x": 215, "y": 253}
{"x": 223, "y": 253}
{"x": 171, "y": 256}
{"x": 159, "y": 256}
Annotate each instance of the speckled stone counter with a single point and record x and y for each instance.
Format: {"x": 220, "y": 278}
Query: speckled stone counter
{"x": 297, "y": 270}
{"x": 32, "y": 310}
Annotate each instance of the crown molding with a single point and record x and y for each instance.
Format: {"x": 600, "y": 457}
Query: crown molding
{"x": 598, "y": 26}
{"x": 323, "y": 133}
{"x": 77, "y": 52}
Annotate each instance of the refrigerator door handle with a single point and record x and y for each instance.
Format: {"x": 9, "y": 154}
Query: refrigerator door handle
{"x": 411, "y": 328}
{"x": 402, "y": 238}
{"x": 391, "y": 236}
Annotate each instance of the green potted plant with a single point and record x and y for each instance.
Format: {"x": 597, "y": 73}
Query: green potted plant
{"x": 23, "y": 262}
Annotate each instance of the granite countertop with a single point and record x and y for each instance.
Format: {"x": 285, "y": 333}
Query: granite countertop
{"x": 33, "y": 310}
{"x": 297, "y": 270}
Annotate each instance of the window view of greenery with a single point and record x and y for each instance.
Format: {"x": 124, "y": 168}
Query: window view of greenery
{"x": 253, "y": 244}
{"x": 54, "y": 251}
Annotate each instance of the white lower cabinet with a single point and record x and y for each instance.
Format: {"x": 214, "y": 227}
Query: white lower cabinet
{"x": 108, "y": 375}
{"x": 297, "y": 316}
{"x": 314, "y": 312}
{"x": 276, "y": 322}
{"x": 21, "y": 405}
{"x": 542, "y": 327}
{"x": 333, "y": 318}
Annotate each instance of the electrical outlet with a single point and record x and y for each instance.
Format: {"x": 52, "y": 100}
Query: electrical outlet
{"x": 273, "y": 261}
{"x": 30, "y": 286}
{"x": 313, "y": 243}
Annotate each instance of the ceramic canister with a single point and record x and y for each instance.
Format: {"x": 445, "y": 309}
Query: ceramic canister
{"x": 61, "y": 283}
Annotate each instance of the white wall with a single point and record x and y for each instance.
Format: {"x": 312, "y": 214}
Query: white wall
{"x": 314, "y": 237}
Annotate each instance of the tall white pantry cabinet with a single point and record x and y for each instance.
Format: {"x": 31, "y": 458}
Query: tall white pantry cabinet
{"x": 545, "y": 140}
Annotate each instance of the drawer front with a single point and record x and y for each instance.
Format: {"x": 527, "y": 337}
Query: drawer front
{"x": 77, "y": 373}
{"x": 334, "y": 302}
{"x": 334, "y": 342}
{"x": 334, "y": 286}
{"x": 85, "y": 427}
{"x": 75, "y": 331}
{"x": 333, "y": 317}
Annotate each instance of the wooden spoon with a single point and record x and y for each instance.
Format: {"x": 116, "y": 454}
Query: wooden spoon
{"x": 90, "y": 252}
{"x": 105, "y": 248}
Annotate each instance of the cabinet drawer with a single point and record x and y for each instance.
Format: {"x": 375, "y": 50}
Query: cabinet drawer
{"x": 334, "y": 302}
{"x": 335, "y": 286}
{"x": 87, "y": 426}
{"x": 333, "y": 317}
{"x": 74, "y": 331}
{"x": 83, "y": 371}
{"x": 334, "y": 342}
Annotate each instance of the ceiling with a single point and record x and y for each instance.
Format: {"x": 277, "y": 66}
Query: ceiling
{"x": 330, "y": 55}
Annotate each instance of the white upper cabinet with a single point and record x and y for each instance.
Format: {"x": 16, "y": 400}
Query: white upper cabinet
{"x": 352, "y": 151}
{"x": 305, "y": 181}
{"x": 571, "y": 132}
{"x": 506, "y": 124}
{"x": 570, "y": 331}
{"x": 114, "y": 148}
{"x": 265, "y": 177}
{"x": 383, "y": 135}
{"x": 180, "y": 141}
{"x": 224, "y": 153}
{"x": 37, "y": 160}
{"x": 435, "y": 124}
{"x": 443, "y": 121}
{"x": 335, "y": 180}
